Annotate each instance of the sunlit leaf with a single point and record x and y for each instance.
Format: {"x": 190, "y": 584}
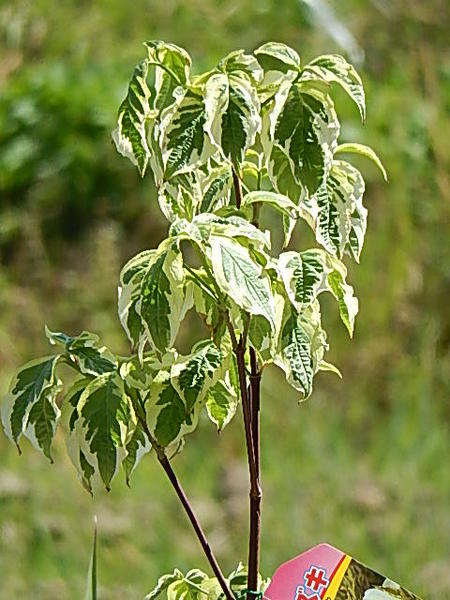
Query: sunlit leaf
{"x": 30, "y": 407}
{"x": 240, "y": 278}
{"x": 334, "y": 68}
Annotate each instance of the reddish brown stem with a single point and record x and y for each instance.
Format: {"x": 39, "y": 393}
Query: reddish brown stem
{"x": 255, "y": 499}
{"x": 165, "y": 463}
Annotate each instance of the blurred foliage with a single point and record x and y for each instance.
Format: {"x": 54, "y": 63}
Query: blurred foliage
{"x": 364, "y": 463}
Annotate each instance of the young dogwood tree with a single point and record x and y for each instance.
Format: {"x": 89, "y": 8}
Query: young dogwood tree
{"x": 257, "y": 132}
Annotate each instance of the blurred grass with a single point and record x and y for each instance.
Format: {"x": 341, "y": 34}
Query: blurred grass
{"x": 364, "y": 464}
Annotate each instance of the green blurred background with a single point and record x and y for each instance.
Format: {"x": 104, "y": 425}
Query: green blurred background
{"x": 364, "y": 464}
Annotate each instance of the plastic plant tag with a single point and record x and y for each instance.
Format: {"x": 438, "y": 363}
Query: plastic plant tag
{"x": 325, "y": 573}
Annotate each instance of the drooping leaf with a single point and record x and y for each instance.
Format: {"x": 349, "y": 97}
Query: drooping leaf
{"x": 84, "y": 352}
{"x": 163, "y": 299}
{"x": 241, "y": 278}
{"x": 163, "y": 584}
{"x": 279, "y": 53}
{"x": 240, "y": 119}
{"x": 303, "y": 125}
{"x": 343, "y": 292}
{"x": 337, "y": 200}
{"x": 185, "y": 144}
{"x": 172, "y": 69}
{"x": 30, "y": 407}
{"x": 196, "y": 373}
{"x": 221, "y": 403}
{"x": 334, "y": 68}
{"x": 279, "y": 202}
{"x": 136, "y": 448}
{"x": 106, "y": 420}
{"x": 294, "y": 355}
{"x": 166, "y": 414}
{"x": 242, "y": 65}
{"x": 130, "y": 137}
{"x": 303, "y": 274}
{"x": 129, "y": 295}
{"x": 217, "y": 189}
{"x": 362, "y": 150}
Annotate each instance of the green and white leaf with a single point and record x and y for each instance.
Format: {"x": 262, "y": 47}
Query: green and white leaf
{"x": 185, "y": 145}
{"x": 339, "y": 199}
{"x": 302, "y": 347}
{"x": 217, "y": 189}
{"x": 279, "y": 202}
{"x": 304, "y": 126}
{"x": 194, "y": 374}
{"x": 167, "y": 418}
{"x": 343, "y": 292}
{"x": 279, "y": 53}
{"x": 362, "y": 150}
{"x": 163, "y": 584}
{"x": 130, "y": 136}
{"x": 233, "y": 227}
{"x": 240, "y": 120}
{"x": 86, "y": 471}
{"x": 84, "y": 352}
{"x": 333, "y": 68}
{"x": 105, "y": 424}
{"x": 164, "y": 299}
{"x": 294, "y": 355}
{"x": 30, "y": 407}
{"x": 241, "y": 278}
{"x": 242, "y": 64}
{"x": 129, "y": 294}
{"x": 303, "y": 275}
{"x": 222, "y": 401}
{"x": 172, "y": 70}
{"x": 137, "y": 446}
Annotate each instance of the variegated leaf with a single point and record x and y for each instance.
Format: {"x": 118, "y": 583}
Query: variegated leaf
{"x": 240, "y": 120}
{"x": 334, "y": 68}
{"x": 221, "y": 403}
{"x": 338, "y": 199}
{"x": 137, "y": 446}
{"x": 362, "y": 150}
{"x": 167, "y": 417}
{"x": 279, "y": 202}
{"x": 84, "y": 352}
{"x": 30, "y": 407}
{"x": 343, "y": 292}
{"x": 163, "y": 584}
{"x": 241, "y": 278}
{"x": 164, "y": 299}
{"x": 303, "y": 275}
{"x": 303, "y": 125}
{"x": 242, "y": 64}
{"x": 278, "y": 57}
{"x": 172, "y": 69}
{"x": 294, "y": 355}
{"x": 217, "y": 189}
{"x": 129, "y": 295}
{"x": 185, "y": 144}
{"x": 195, "y": 374}
{"x": 302, "y": 347}
{"x": 105, "y": 424}
{"x": 130, "y": 136}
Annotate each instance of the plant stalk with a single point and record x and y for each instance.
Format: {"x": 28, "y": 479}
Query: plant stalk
{"x": 165, "y": 463}
{"x": 196, "y": 525}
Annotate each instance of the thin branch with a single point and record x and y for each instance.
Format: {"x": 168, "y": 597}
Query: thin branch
{"x": 255, "y": 499}
{"x": 237, "y": 187}
{"x": 165, "y": 463}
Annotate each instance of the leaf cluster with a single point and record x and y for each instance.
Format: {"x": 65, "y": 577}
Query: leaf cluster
{"x": 257, "y": 132}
